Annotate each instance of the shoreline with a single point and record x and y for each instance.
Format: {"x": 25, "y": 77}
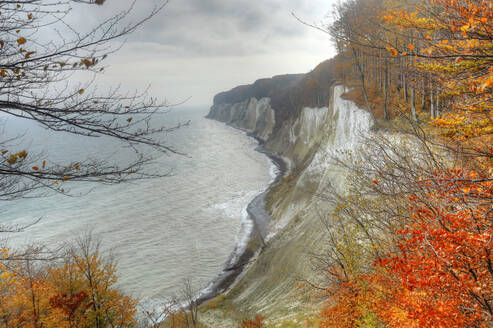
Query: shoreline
{"x": 258, "y": 215}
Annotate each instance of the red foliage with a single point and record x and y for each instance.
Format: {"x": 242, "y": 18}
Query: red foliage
{"x": 445, "y": 258}
{"x": 258, "y": 322}
{"x": 69, "y": 304}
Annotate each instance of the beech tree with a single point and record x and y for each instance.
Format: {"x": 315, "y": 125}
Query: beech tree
{"x": 76, "y": 290}
{"x": 37, "y": 84}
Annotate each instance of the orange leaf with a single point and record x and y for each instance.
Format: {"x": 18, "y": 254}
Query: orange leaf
{"x": 21, "y": 40}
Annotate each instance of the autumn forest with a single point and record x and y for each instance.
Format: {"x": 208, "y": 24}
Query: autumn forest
{"x": 423, "y": 218}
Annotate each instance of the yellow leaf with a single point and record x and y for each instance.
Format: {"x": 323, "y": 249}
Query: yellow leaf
{"x": 12, "y": 159}
{"x": 81, "y": 91}
{"x": 86, "y": 62}
{"x": 22, "y": 154}
{"x": 129, "y": 119}
{"x": 21, "y": 40}
{"x": 4, "y": 152}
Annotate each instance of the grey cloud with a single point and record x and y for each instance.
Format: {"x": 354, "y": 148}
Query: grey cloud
{"x": 210, "y": 27}
{"x": 199, "y": 47}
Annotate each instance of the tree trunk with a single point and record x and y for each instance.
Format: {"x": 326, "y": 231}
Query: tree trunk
{"x": 437, "y": 107}
{"x": 343, "y": 77}
{"x": 413, "y": 105}
{"x": 432, "y": 104}
{"x": 404, "y": 80}
{"x": 423, "y": 94}
{"x": 385, "y": 90}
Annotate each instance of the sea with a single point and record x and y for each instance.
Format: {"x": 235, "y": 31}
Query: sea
{"x": 162, "y": 231}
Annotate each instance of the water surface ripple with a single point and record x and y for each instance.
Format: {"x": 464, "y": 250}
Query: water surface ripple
{"x": 162, "y": 230}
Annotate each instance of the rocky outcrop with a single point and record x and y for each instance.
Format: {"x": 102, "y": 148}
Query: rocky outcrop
{"x": 308, "y": 141}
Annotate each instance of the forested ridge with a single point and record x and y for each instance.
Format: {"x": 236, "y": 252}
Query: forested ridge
{"x": 288, "y": 94}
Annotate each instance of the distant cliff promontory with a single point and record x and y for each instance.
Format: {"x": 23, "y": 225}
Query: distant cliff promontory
{"x": 288, "y": 94}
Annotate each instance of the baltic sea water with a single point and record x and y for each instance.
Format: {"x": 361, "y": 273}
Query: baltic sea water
{"x": 161, "y": 230}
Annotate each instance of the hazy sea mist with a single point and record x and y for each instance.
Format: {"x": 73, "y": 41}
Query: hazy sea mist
{"x": 161, "y": 230}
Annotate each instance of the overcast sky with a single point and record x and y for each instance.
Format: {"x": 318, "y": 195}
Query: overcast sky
{"x": 197, "y": 48}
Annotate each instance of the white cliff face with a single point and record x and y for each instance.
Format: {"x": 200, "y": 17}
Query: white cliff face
{"x": 266, "y": 119}
{"x": 348, "y": 126}
{"x": 328, "y": 133}
{"x": 296, "y": 138}
{"x": 351, "y": 124}
{"x": 310, "y": 124}
{"x": 253, "y": 115}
